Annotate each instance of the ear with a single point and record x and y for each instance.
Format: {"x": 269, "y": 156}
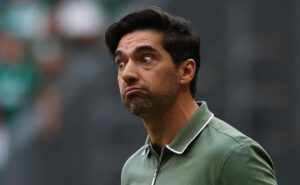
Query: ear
{"x": 187, "y": 71}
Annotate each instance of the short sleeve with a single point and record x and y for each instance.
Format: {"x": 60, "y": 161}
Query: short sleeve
{"x": 248, "y": 164}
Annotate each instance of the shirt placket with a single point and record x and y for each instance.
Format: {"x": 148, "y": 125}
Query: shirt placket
{"x": 156, "y": 170}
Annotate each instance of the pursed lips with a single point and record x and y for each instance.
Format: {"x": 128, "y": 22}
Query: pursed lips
{"x": 132, "y": 89}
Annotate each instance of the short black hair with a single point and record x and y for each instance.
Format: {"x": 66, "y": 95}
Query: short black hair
{"x": 178, "y": 38}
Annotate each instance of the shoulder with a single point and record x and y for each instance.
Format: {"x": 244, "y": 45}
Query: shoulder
{"x": 248, "y": 164}
{"x": 229, "y": 140}
{"x": 224, "y": 131}
{"x": 242, "y": 160}
{"x": 130, "y": 165}
{"x": 219, "y": 139}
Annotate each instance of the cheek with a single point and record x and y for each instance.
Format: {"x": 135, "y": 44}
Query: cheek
{"x": 120, "y": 83}
{"x": 162, "y": 80}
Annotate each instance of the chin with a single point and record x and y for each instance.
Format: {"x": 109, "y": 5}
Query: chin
{"x": 139, "y": 107}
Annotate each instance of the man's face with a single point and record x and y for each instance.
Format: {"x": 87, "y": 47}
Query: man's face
{"x": 147, "y": 76}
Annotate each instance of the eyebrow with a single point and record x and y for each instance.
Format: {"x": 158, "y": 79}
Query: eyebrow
{"x": 145, "y": 48}
{"x": 138, "y": 49}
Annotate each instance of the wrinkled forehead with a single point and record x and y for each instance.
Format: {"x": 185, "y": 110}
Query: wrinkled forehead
{"x": 129, "y": 42}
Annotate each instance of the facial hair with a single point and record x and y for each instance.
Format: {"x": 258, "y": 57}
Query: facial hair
{"x": 152, "y": 103}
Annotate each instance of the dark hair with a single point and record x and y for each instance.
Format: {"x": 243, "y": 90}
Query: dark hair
{"x": 179, "y": 40}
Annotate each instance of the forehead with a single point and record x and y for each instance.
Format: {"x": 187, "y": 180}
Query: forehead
{"x": 138, "y": 38}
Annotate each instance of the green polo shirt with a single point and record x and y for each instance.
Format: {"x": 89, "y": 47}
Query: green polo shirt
{"x": 207, "y": 151}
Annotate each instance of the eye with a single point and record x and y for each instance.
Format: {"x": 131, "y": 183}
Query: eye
{"x": 147, "y": 59}
{"x": 121, "y": 64}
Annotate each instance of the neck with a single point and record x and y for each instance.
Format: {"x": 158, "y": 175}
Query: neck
{"x": 163, "y": 128}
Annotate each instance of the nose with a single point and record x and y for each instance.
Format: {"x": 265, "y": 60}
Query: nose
{"x": 130, "y": 72}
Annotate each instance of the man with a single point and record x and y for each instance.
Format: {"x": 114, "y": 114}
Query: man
{"x": 158, "y": 57}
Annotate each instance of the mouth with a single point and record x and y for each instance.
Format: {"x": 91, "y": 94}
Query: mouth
{"x": 133, "y": 90}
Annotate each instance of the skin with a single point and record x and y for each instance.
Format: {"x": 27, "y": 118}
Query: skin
{"x": 152, "y": 87}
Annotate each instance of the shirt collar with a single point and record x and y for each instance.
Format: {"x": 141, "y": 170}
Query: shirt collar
{"x": 147, "y": 146}
{"x": 189, "y": 132}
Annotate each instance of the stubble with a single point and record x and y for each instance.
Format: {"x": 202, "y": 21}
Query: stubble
{"x": 153, "y": 103}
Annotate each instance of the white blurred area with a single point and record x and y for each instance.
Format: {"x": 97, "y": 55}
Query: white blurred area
{"x": 79, "y": 19}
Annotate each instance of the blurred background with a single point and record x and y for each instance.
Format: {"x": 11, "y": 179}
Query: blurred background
{"x": 62, "y": 121}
